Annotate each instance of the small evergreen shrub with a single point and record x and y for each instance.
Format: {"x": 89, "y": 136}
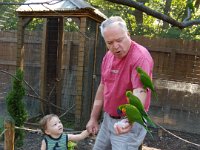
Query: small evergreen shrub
{"x": 16, "y": 107}
{"x": 1, "y": 127}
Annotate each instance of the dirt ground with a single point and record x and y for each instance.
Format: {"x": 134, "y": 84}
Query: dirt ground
{"x": 161, "y": 141}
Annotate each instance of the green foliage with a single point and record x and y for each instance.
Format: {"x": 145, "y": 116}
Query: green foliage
{"x": 1, "y": 123}
{"x": 171, "y": 33}
{"x": 15, "y": 105}
{"x": 153, "y": 27}
{"x": 70, "y": 25}
{"x": 35, "y": 24}
{"x": 1, "y": 126}
{"x": 8, "y": 15}
{"x": 150, "y": 26}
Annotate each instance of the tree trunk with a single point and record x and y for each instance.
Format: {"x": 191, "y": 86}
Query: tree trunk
{"x": 166, "y": 12}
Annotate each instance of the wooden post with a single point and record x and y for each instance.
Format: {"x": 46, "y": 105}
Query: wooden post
{"x": 80, "y": 70}
{"x": 59, "y": 63}
{"x": 22, "y": 23}
{"x": 20, "y": 44}
{"x": 43, "y": 67}
{"x": 9, "y": 126}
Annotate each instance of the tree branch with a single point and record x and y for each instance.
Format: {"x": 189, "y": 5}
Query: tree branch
{"x": 156, "y": 14}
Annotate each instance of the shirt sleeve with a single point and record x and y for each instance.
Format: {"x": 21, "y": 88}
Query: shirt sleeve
{"x": 67, "y": 139}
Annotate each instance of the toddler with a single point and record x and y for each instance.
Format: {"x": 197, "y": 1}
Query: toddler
{"x": 54, "y": 138}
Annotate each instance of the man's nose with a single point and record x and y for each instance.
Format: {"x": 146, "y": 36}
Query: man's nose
{"x": 115, "y": 45}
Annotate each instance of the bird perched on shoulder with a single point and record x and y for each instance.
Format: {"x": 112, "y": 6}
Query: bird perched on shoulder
{"x": 135, "y": 101}
{"x": 133, "y": 115}
{"x": 146, "y": 81}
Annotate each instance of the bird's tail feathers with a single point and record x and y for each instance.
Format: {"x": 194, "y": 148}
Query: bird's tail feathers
{"x": 144, "y": 124}
{"x": 146, "y": 119}
{"x": 155, "y": 95}
{"x": 150, "y": 122}
{"x": 149, "y": 131}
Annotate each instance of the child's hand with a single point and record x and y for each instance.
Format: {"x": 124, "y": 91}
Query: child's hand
{"x": 85, "y": 133}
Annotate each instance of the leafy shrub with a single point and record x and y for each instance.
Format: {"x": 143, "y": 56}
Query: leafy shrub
{"x": 16, "y": 107}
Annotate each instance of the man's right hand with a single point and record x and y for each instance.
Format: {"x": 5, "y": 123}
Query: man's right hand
{"x": 92, "y": 126}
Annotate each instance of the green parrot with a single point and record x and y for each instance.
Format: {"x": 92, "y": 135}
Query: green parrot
{"x": 146, "y": 81}
{"x": 133, "y": 115}
{"x": 135, "y": 101}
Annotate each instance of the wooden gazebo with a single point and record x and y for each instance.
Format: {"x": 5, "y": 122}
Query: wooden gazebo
{"x": 54, "y": 13}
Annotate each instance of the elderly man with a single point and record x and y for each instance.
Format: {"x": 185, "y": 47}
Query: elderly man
{"x": 118, "y": 74}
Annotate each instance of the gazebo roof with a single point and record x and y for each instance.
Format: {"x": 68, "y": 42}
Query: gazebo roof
{"x": 45, "y": 8}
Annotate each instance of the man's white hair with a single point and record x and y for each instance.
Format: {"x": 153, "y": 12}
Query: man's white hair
{"x": 113, "y": 20}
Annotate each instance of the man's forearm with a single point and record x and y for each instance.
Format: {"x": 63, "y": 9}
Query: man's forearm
{"x": 96, "y": 110}
{"x": 98, "y": 103}
{"x": 141, "y": 94}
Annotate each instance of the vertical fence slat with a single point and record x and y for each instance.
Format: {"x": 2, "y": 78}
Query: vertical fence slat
{"x": 9, "y": 126}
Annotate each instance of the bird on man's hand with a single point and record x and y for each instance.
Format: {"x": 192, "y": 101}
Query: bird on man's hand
{"x": 135, "y": 101}
{"x": 133, "y": 115}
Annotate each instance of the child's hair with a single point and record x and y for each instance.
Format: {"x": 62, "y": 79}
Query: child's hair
{"x": 43, "y": 122}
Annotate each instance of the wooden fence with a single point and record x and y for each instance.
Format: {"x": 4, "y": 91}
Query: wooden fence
{"x": 175, "y": 59}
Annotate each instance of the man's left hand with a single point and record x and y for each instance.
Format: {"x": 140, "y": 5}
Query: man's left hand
{"x": 122, "y": 127}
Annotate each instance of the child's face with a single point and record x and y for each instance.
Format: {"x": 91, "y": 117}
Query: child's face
{"x": 54, "y": 127}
